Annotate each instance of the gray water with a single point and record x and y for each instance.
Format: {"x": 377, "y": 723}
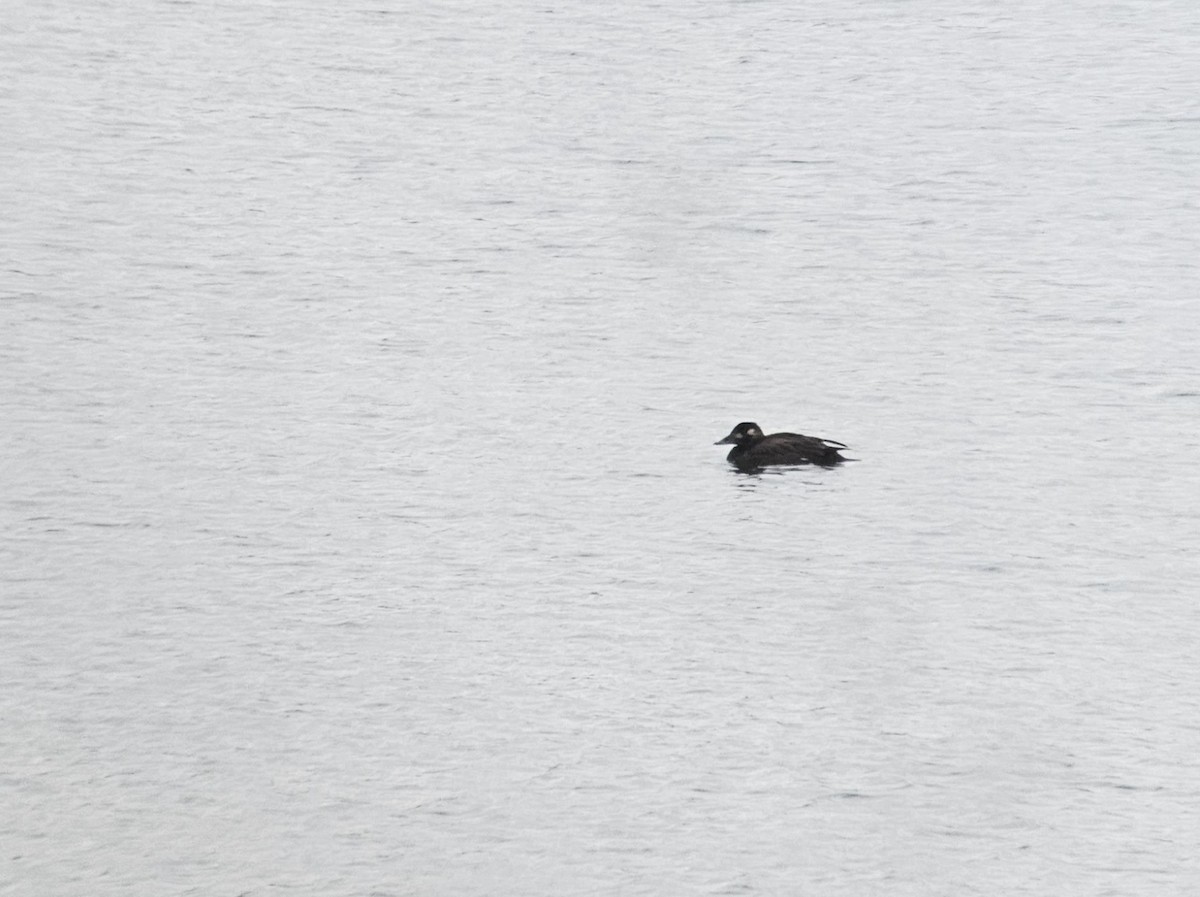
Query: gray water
{"x": 362, "y": 527}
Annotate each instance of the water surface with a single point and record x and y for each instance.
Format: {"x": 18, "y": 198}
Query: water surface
{"x": 362, "y": 531}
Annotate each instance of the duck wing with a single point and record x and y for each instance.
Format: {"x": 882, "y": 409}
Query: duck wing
{"x": 792, "y": 448}
{"x": 814, "y": 440}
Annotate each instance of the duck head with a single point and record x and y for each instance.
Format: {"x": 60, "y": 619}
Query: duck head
{"x": 741, "y": 434}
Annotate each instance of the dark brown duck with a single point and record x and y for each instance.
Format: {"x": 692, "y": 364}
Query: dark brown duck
{"x": 751, "y": 449}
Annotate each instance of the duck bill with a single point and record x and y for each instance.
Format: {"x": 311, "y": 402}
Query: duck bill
{"x": 728, "y": 440}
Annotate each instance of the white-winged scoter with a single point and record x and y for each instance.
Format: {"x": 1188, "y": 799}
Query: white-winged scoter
{"x": 751, "y": 449}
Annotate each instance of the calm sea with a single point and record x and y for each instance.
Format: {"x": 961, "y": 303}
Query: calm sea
{"x": 361, "y": 531}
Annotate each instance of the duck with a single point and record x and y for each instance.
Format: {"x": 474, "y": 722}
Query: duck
{"x": 752, "y": 450}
